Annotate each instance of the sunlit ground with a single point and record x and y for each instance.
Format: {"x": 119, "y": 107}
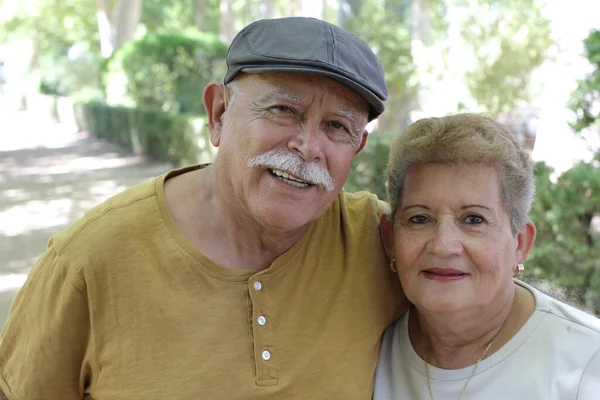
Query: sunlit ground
{"x": 50, "y": 175}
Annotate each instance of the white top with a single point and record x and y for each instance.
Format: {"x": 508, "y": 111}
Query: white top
{"x": 554, "y": 356}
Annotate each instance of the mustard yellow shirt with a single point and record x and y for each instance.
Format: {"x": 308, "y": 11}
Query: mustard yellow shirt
{"x": 121, "y": 306}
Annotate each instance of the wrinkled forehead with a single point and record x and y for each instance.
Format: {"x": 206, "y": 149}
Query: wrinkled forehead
{"x": 300, "y": 88}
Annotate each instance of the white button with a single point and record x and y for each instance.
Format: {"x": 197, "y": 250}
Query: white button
{"x": 257, "y": 285}
{"x": 266, "y": 355}
{"x": 261, "y": 320}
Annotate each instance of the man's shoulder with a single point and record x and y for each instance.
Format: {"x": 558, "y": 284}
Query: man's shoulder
{"x": 129, "y": 207}
{"x": 362, "y": 202}
{"x": 355, "y": 216}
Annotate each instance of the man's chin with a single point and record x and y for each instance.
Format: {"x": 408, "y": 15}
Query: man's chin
{"x": 286, "y": 223}
{"x": 282, "y": 220}
{"x": 290, "y": 215}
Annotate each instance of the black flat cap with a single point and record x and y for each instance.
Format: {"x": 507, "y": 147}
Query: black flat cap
{"x": 309, "y": 45}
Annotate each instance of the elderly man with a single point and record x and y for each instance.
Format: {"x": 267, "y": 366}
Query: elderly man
{"x": 255, "y": 277}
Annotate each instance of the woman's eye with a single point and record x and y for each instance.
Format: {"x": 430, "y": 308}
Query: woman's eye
{"x": 419, "y": 219}
{"x": 474, "y": 219}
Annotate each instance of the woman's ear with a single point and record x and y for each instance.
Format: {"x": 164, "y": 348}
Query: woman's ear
{"x": 525, "y": 240}
{"x": 386, "y": 233}
{"x": 214, "y": 102}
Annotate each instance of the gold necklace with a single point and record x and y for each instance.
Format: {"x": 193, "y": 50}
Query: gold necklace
{"x": 462, "y": 391}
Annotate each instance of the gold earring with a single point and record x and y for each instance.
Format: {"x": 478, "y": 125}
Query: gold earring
{"x": 519, "y": 270}
{"x": 393, "y": 264}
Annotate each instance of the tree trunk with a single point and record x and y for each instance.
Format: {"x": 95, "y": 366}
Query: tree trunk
{"x": 422, "y": 20}
{"x": 402, "y": 100}
{"x": 267, "y": 9}
{"x": 127, "y": 16}
{"x": 104, "y": 28}
{"x": 34, "y": 64}
{"x": 348, "y": 9}
{"x": 117, "y": 28}
{"x": 227, "y": 30}
{"x": 200, "y": 14}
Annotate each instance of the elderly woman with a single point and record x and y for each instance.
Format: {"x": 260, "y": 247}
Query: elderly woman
{"x": 460, "y": 188}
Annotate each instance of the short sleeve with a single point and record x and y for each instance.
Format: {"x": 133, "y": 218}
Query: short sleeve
{"x": 589, "y": 387}
{"x": 46, "y": 337}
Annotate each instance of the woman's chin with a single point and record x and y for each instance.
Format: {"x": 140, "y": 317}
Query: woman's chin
{"x": 445, "y": 296}
{"x": 441, "y": 303}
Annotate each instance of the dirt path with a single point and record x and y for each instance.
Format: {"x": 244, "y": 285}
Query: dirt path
{"x": 50, "y": 175}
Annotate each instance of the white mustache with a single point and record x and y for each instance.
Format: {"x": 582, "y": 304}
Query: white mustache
{"x": 294, "y": 164}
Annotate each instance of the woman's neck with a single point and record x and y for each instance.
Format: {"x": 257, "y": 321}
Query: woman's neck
{"x": 454, "y": 340}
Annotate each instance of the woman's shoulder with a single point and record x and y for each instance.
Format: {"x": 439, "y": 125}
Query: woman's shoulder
{"x": 395, "y": 337}
{"x": 574, "y": 316}
{"x": 562, "y": 314}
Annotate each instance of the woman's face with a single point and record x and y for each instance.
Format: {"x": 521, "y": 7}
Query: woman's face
{"x": 452, "y": 240}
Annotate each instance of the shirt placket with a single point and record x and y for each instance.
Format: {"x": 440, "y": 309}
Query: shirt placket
{"x": 265, "y": 353}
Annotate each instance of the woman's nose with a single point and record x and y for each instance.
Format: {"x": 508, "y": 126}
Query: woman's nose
{"x": 446, "y": 240}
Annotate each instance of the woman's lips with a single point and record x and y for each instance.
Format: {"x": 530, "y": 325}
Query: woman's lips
{"x": 444, "y": 274}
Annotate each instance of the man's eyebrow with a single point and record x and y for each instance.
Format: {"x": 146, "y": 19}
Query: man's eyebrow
{"x": 351, "y": 116}
{"x": 275, "y": 97}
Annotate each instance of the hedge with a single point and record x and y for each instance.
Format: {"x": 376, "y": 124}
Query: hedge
{"x": 164, "y": 71}
{"x": 157, "y": 134}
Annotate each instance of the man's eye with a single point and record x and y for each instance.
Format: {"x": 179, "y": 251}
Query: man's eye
{"x": 419, "y": 219}
{"x": 337, "y": 125}
{"x": 474, "y": 219}
{"x": 281, "y": 109}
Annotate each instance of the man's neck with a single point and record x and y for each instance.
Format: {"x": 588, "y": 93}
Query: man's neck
{"x": 220, "y": 228}
{"x": 457, "y": 340}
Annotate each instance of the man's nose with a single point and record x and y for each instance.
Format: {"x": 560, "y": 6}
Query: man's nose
{"x": 307, "y": 142}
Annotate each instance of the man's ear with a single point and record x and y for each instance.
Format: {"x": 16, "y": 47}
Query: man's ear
{"x": 525, "y": 240}
{"x": 386, "y": 233}
{"x": 214, "y": 98}
{"x": 363, "y": 142}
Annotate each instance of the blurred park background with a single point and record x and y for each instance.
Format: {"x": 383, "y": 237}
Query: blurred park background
{"x": 96, "y": 96}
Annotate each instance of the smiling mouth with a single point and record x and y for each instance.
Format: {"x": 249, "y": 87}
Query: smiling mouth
{"x": 289, "y": 179}
{"x": 444, "y": 275}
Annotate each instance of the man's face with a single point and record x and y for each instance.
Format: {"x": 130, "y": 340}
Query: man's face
{"x": 314, "y": 125}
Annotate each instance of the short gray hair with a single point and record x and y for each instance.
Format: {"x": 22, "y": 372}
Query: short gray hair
{"x": 465, "y": 139}
{"x": 232, "y": 89}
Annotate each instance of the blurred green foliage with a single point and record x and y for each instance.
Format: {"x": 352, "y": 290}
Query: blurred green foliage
{"x": 173, "y": 16}
{"x": 167, "y": 17}
{"x": 157, "y": 134}
{"x": 164, "y": 71}
{"x": 389, "y": 32}
{"x": 77, "y": 76}
{"x": 585, "y": 100}
{"x": 369, "y": 167}
{"x": 508, "y": 43}
{"x": 567, "y": 217}
{"x": 55, "y": 25}
{"x": 64, "y": 37}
